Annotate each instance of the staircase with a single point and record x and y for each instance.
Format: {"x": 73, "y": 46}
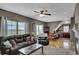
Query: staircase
{"x": 60, "y": 24}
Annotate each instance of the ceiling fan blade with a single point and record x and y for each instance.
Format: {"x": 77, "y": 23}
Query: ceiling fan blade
{"x": 42, "y": 11}
{"x": 36, "y": 11}
{"x": 48, "y": 14}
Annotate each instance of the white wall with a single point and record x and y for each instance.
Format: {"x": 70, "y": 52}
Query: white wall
{"x": 53, "y": 25}
{"x": 77, "y": 22}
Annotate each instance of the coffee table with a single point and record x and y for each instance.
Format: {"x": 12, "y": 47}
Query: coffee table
{"x": 30, "y": 49}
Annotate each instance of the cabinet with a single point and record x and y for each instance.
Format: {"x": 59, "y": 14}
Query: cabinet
{"x": 46, "y": 29}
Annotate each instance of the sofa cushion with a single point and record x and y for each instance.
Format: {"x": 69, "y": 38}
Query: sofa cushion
{"x": 25, "y": 43}
{"x": 20, "y": 44}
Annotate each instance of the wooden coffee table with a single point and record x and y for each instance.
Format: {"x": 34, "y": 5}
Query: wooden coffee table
{"x": 30, "y": 49}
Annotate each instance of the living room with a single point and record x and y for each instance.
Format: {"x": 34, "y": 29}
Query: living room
{"x": 38, "y": 29}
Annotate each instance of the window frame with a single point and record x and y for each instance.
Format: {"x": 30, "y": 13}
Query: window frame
{"x": 21, "y": 29}
{"x": 66, "y": 28}
{"x": 38, "y": 29}
{"x": 11, "y": 27}
{"x": 17, "y": 25}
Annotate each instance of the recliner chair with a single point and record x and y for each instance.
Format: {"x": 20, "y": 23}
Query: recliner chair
{"x": 43, "y": 39}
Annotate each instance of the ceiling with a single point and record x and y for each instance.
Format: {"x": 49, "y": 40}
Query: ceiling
{"x": 59, "y": 11}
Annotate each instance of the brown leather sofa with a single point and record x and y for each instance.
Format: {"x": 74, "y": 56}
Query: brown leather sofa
{"x": 20, "y": 40}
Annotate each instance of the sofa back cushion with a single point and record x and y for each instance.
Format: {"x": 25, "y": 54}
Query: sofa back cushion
{"x": 8, "y": 38}
{"x": 42, "y": 38}
{"x": 1, "y": 40}
{"x": 28, "y": 38}
{"x": 19, "y": 38}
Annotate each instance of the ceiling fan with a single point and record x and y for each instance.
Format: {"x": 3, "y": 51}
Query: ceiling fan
{"x": 43, "y": 13}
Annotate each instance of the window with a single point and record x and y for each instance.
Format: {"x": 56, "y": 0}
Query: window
{"x": 16, "y": 27}
{"x": 21, "y": 27}
{"x": 39, "y": 29}
{"x": 11, "y": 27}
{"x": 66, "y": 28}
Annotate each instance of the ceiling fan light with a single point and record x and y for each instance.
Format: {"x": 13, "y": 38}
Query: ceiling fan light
{"x": 41, "y": 15}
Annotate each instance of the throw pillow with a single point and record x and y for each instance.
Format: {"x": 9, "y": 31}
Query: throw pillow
{"x": 13, "y": 43}
{"x": 32, "y": 38}
{"x": 7, "y": 44}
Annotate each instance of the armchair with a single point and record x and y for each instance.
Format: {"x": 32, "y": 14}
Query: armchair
{"x": 43, "y": 39}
